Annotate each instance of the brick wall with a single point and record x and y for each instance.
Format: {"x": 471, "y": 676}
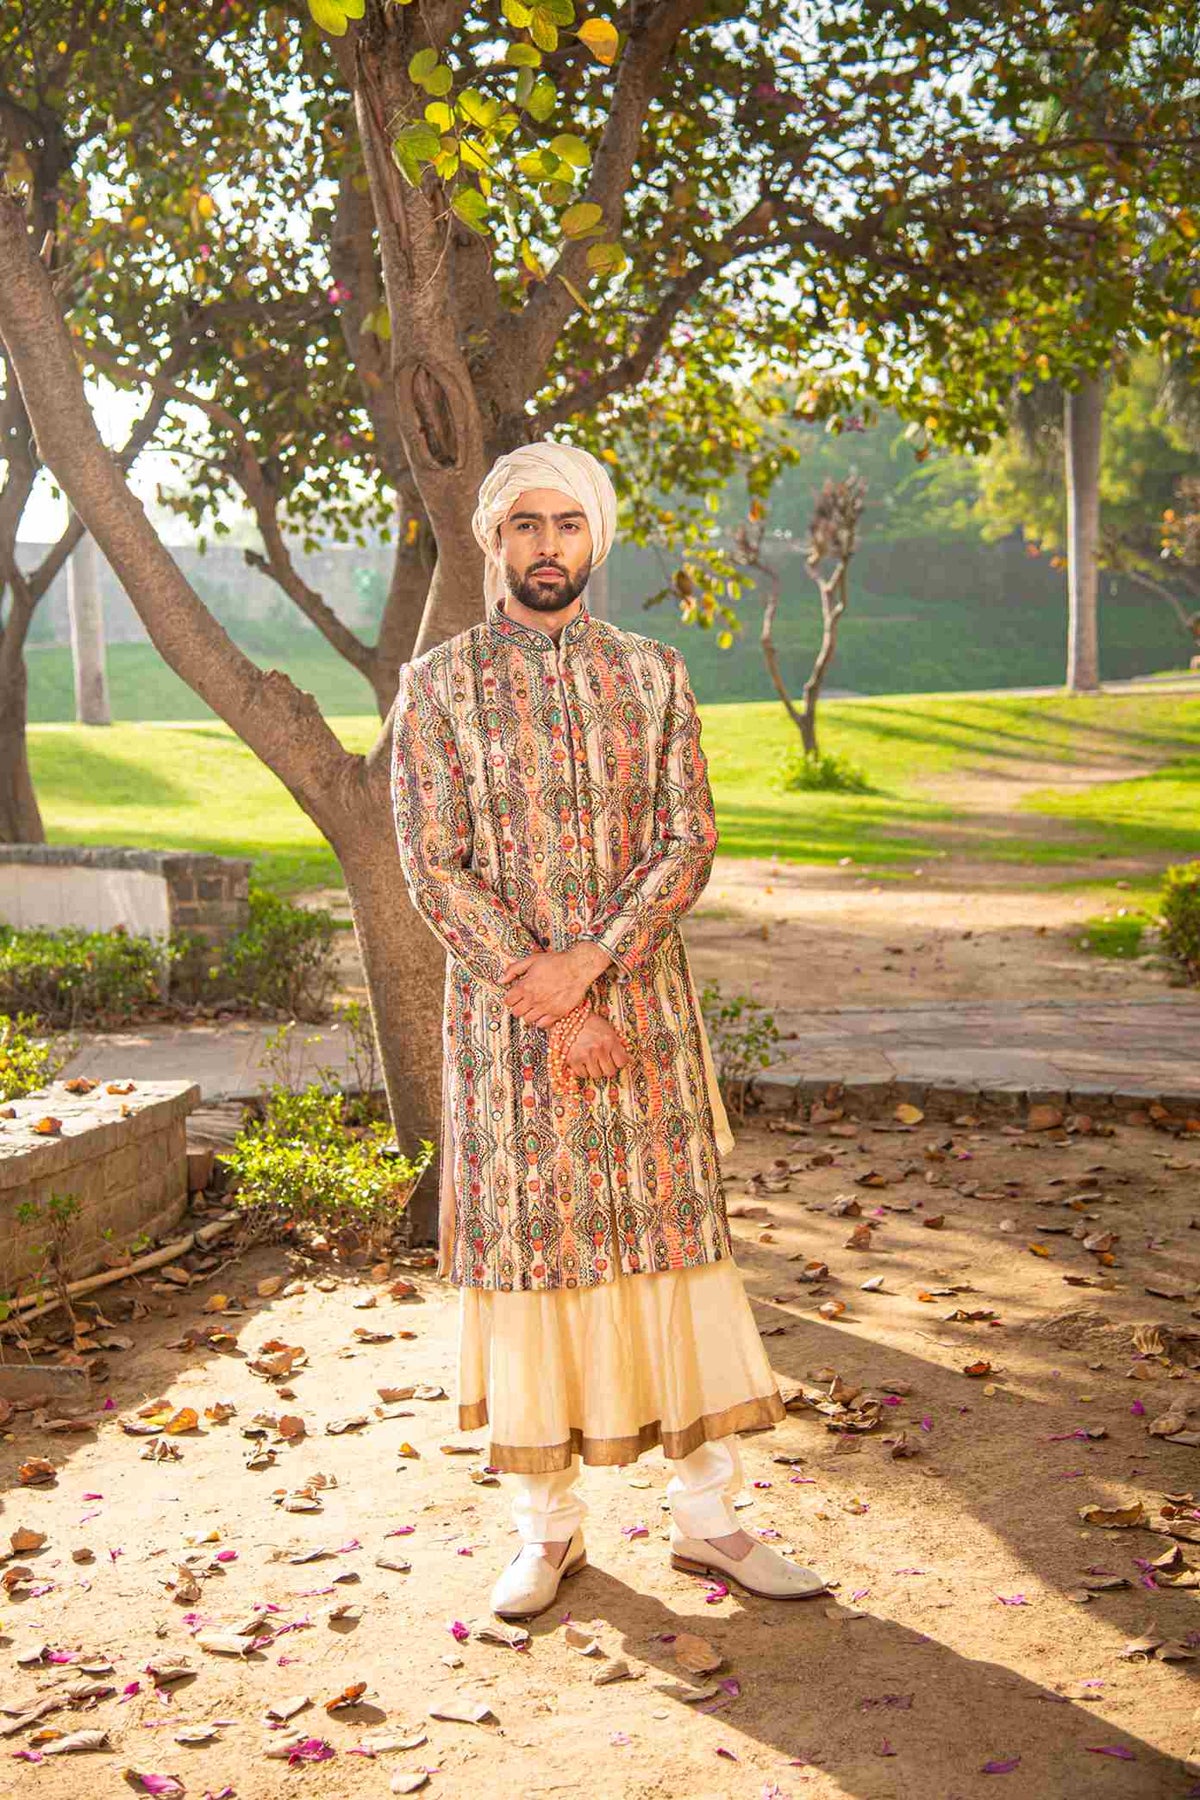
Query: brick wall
{"x": 127, "y": 1169}
{"x": 149, "y": 892}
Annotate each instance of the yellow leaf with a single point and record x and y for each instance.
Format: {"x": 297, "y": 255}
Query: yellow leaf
{"x": 578, "y": 221}
{"x": 206, "y": 206}
{"x": 601, "y": 38}
{"x": 1038, "y": 1250}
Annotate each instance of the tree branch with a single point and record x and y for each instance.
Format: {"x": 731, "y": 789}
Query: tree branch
{"x": 529, "y": 337}
{"x": 282, "y": 725}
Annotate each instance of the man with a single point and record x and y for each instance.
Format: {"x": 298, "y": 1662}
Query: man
{"x": 555, "y": 823}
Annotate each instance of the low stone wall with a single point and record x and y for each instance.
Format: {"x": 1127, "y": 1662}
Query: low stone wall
{"x": 152, "y": 893}
{"x": 123, "y": 1154}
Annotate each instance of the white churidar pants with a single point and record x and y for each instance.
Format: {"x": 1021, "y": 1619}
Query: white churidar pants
{"x": 550, "y": 1508}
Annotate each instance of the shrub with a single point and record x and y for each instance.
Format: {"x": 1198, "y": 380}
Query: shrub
{"x": 827, "y": 774}
{"x": 282, "y": 962}
{"x": 742, "y": 1035}
{"x": 74, "y": 977}
{"x": 1179, "y": 917}
{"x": 24, "y": 1064}
{"x": 305, "y": 1157}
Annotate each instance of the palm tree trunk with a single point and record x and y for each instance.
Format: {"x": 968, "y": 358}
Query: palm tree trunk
{"x": 1082, "y": 431}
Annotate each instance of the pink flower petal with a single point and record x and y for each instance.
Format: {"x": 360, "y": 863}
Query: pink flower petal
{"x": 998, "y": 1767}
{"x": 458, "y": 1631}
{"x": 1117, "y": 1750}
{"x": 163, "y": 1785}
{"x": 1137, "y": 1409}
{"x": 310, "y": 1750}
{"x": 729, "y": 1755}
{"x": 629, "y": 1532}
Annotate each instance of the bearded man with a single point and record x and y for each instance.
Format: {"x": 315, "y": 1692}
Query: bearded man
{"x": 555, "y": 824}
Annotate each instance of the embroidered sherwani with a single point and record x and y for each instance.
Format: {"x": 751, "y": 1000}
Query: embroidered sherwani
{"x": 548, "y": 792}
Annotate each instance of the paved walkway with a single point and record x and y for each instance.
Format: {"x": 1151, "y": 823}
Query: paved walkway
{"x": 1137, "y": 1048}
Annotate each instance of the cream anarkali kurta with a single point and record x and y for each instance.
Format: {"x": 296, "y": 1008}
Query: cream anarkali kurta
{"x": 548, "y": 792}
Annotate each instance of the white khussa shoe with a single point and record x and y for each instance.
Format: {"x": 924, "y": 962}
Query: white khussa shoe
{"x": 530, "y": 1582}
{"x": 761, "y": 1571}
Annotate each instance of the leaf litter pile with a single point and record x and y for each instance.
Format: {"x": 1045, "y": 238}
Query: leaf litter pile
{"x": 261, "y": 1550}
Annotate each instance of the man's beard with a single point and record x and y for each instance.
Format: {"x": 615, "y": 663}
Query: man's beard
{"x": 539, "y": 598}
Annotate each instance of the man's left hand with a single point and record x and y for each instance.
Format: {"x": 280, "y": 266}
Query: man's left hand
{"x": 545, "y": 986}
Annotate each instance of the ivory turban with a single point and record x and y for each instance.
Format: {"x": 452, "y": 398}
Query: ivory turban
{"x": 542, "y": 465}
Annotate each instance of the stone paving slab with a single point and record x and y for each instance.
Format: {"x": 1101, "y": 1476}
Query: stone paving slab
{"x": 1136, "y": 1048}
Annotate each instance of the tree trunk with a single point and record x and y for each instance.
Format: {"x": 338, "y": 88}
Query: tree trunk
{"x": 1082, "y": 432}
{"x": 88, "y": 649}
{"x": 405, "y": 974}
{"x": 833, "y": 605}
{"x": 20, "y": 819}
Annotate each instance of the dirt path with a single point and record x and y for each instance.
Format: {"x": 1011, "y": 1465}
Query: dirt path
{"x": 956, "y": 1638}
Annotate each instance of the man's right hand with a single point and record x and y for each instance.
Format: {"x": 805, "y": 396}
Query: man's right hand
{"x": 597, "y": 1050}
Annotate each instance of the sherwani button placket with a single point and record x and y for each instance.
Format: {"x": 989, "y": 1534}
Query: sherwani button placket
{"x": 599, "y": 1105}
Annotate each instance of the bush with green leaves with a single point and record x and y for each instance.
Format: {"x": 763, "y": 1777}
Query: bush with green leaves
{"x": 1179, "y": 917}
{"x": 827, "y": 774}
{"x": 306, "y": 1158}
{"x": 742, "y": 1036}
{"x": 26, "y": 1064}
{"x": 282, "y": 962}
{"x": 73, "y": 977}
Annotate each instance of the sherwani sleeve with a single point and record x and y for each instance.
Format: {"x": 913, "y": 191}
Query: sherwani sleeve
{"x": 432, "y": 813}
{"x": 653, "y": 895}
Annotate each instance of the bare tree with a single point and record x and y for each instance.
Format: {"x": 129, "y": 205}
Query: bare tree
{"x": 832, "y": 540}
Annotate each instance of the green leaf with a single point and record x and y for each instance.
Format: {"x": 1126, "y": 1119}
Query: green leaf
{"x": 420, "y": 140}
{"x": 572, "y": 149}
{"x": 543, "y": 30}
{"x": 378, "y": 321}
{"x": 478, "y": 108}
{"x": 579, "y": 221}
{"x": 329, "y": 15}
{"x": 469, "y": 205}
{"x": 524, "y": 86}
{"x": 440, "y": 116}
{"x": 423, "y": 63}
{"x": 607, "y": 259}
{"x": 440, "y": 82}
{"x": 601, "y": 38}
{"x": 562, "y": 12}
{"x": 522, "y": 56}
{"x": 517, "y": 13}
{"x": 559, "y": 193}
{"x": 539, "y": 165}
{"x": 542, "y": 100}
{"x": 353, "y": 9}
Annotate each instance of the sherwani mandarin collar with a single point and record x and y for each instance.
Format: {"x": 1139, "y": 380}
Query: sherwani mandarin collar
{"x": 543, "y": 800}
{"x": 533, "y": 636}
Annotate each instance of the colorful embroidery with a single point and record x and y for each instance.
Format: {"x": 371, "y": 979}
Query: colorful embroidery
{"x": 545, "y": 794}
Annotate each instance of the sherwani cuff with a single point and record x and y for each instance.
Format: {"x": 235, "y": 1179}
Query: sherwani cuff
{"x": 624, "y": 970}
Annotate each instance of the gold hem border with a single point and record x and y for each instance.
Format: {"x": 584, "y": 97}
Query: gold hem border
{"x": 532, "y": 1459}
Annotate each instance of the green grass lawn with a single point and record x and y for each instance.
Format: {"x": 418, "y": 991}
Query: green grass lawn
{"x": 194, "y": 786}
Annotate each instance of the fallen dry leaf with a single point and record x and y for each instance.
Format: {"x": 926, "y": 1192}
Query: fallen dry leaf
{"x": 1112, "y": 1517}
{"x": 696, "y": 1654}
